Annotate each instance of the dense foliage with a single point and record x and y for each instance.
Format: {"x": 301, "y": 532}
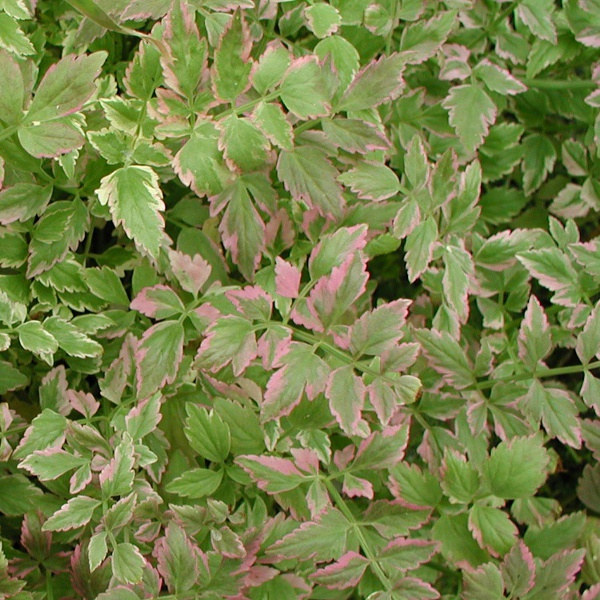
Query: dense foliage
{"x": 299, "y": 299}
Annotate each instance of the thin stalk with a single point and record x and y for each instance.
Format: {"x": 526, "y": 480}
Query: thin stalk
{"x": 484, "y": 385}
{"x": 560, "y": 84}
{"x": 364, "y": 544}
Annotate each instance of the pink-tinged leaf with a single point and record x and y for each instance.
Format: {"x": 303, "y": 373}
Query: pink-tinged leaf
{"x": 304, "y": 90}
{"x": 273, "y": 344}
{"x": 51, "y": 463}
{"x": 380, "y": 329}
{"x": 588, "y": 341}
{"x": 535, "y": 340}
{"x": 356, "y": 487}
{"x": 343, "y": 574}
{"x": 455, "y": 62}
{"x": 83, "y": 403}
{"x": 117, "y": 476}
{"x": 557, "y": 411}
{"x": 204, "y": 316}
{"x": 492, "y": 529}
{"x": 177, "y": 559}
{"x": 374, "y": 84}
{"x": 483, "y": 582}
{"x": 37, "y": 542}
{"x": 405, "y": 554}
{"x": 143, "y": 418}
{"x": 446, "y": 356}
{"x": 65, "y": 87}
{"x": 53, "y": 391}
{"x": 412, "y": 588}
{"x": 309, "y": 176}
{"x": 323, "y": 539}
{"x": 230, "y": 339}
{"x": 272, "y": 474}
{"x": 457, "y": 279}
{"x": 592, "y": 593}
{"x": 158, "y": 302}
{"x": 242, "y": 229}
{"x": 384, "y": 400}
{"x": 471, "y": 114}
{"x": 158, "y": 357}
{"x": 47, "y": 430}
{"x": 346, "y": 394}
{"x": 393, "y": 518}
{"x": 252, "y": 302}
{"x": 498, "y": 79}
{"x": 557, "y": 573}
{"x": 306, "y": 459}
{"x": 287, "y": 278}
{"x": 226, "y": 542}
{"x": 518, "y": 570}
{"x": 184, "y": 61}
{"x": 554, "y": 271}
{"x": 382, "y": 449}
{"x": 333, "y": 250}
{"x": 333, "y": 295}
{"x": 354, "y": 135}
{"x": 419, "y": 246}
{"x": 191, "y": 272}
{"x": 302, "y": 371}
{"x": 76, "y": 512}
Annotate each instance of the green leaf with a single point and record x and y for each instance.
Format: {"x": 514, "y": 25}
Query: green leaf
{"x": 324, "y": 539}
{"x": 457, "y": 279}
{"x": 231, "y": 65}
{"x": 537, "y": 15}
{"x": 484, "y": 582}
{"x": 207, "y": 433}
{"x": 471, "y": 114}
{"x": 51, "y": 464}
{"x": 47, "y": 430}
{"x": 185, "y": 62}
{"x": 270, "y": 69}
{"x": 72, "y": 340}
{"x": 558, "y": 412}
{"x": 12, "y": 92}
{"x": 135, "y": 201}
{"x": 117, "y": 477}
{"x": 446, "y": 356}
{"x": 461, "y": 479}
{"x": 375, "y": 84}
{"x": 127, "y": 563}
{"x": 11, "y": 378}
{"x": 53, "y": 138}
{"x": 143, "y": 418}
{"x": 539, "y": 157}
{"x": 65, "y": 87}
{"x": 196, "y": 483}
{"x": 303, "y": 90}
{"x": 419, "y": 247}
{"x": 344, "y": 55}
{"x": 371, "y": 181}
{"x": 497, "y": 79}
{"x": 555, "y": 537}
{"x": 18, "y": 495}
{"x": 75, "y": 513}
{"x": 493, "y": 529}
{"x": 22, "y": 201}
{"x": 309, "y": 176}
{"x": 244, "y": 145}
{"x": 272, "y": 474}
{"x": 12, "y": 38}
{"x": 272, "y": 122}
{"x": 35, "y": 338}
{"x": 244, "y": 426}
{"x": 458, "y": 545}
{"x": 242, "y": 228}
{"x": 414, "y": 486}
{"x": 158, "y": 357}
{"x": 177, "y": 559}
{"x": 105, "y": 284}
{"x": 97, "y": 550}
{"x": 516, "y": 468}
{"x": 322, "y": 19}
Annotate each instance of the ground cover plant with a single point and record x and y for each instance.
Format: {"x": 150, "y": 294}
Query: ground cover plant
{"x": 299, "y": 299}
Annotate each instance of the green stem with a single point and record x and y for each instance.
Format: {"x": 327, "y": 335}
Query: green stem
{"x": 484, "y": 385}
{"x": 560, "y": 84}
{"x": 49, "y": 588}
{"x": 245, "y": 107}
{"x": 8, "y": 132}
{"x": 364, "y": 544}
